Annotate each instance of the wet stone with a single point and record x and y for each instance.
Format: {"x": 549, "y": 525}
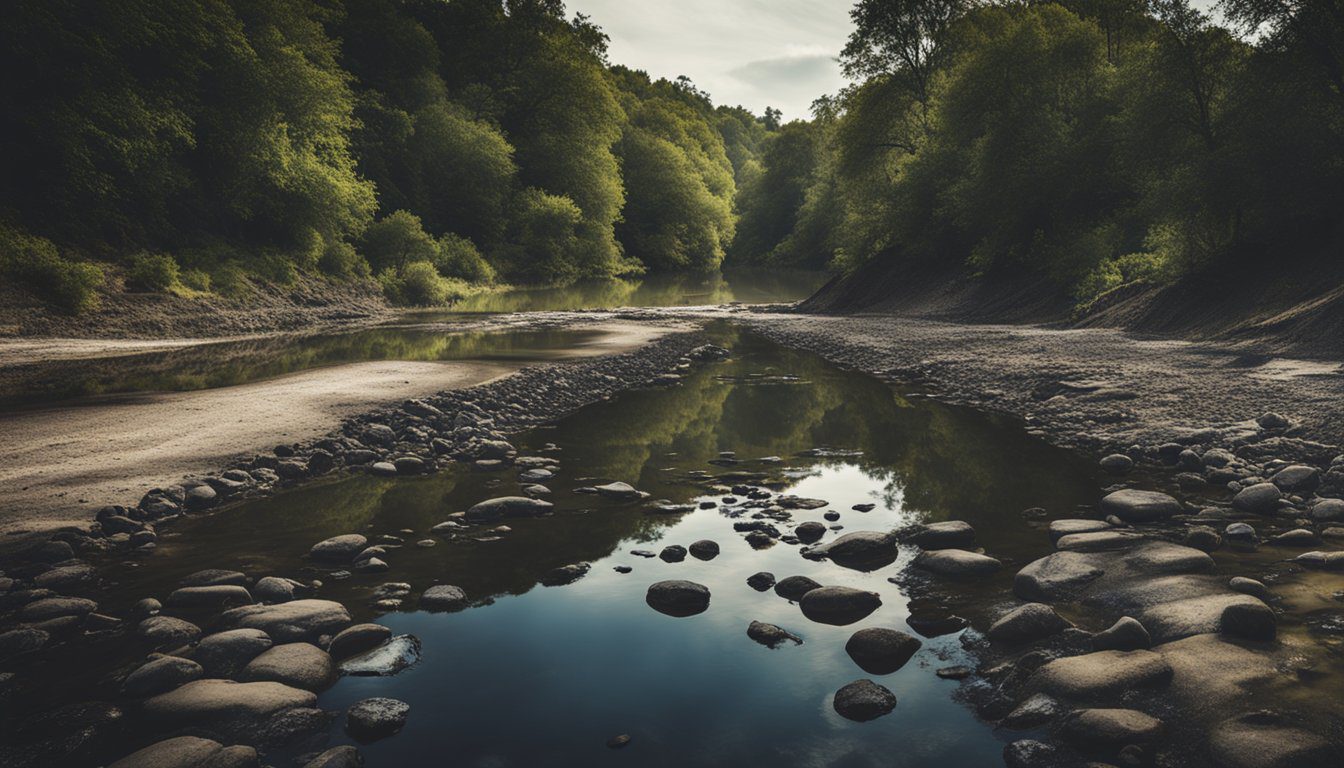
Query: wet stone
{"x": 957, "y": 562}
{"x": 770, "y": 635}
{"x": 950, "y": 534}
{"x": 1026, "y": 623}
{"x": 357, "y": 639}
{"x": 376, "y": 718}
{"x": 761, "y": 581}
{"x": 1135, "y": 506}
{"x": 673, "y": 553}
{"x": 881, "y": 651}
{"x": 704, "y": 549}
{"x": 391, "y": 657}
{"x": 443, "y": 597}
{"x": 678, "y": 597}
{"x": 794, "y": 587}
{"x": 863, "y": 700}
{"x": 839, "y": 605}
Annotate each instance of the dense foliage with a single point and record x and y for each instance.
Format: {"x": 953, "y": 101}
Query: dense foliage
{"x": 1092, "y": 143}
{"x": 428, "y": 143}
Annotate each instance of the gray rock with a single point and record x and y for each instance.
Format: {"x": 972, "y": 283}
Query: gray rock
{"x": 770, "y": 635}
{"x": 443, "y": 597}
{"x": 762, "y": 581}
{"x": 509, "y": 506}
{"x": 809, "y": 531}
{"x": 672, "y": 553}
{"x": 1328, "y": 510}
{"x": 273, "y": 589}
{"x": 678, "y": 597}
{"x": 301, "y": 665}
{"x": 66, "y": 576}
{"x": 618, "y": 490}
{"x": 957, "y": 562}
{"x": 881, "y": 651}
{"x": 396, "y": 654}
{"x": 1111, "y": 728}
{"x": 1027, "y": 623}
{"x": 1298, "y": 537}
{"x": 839, "y": 605}
{"x": 1260, "y": 499}
{"x": 177, "y": 752}
{"x": 794, "y": 587}
{"x": 1135, "y": 506}
{"x": 21, "y": 640}
{"x": 223, "y": 654}
{"x": 863, "y": 700}
{"x": 1272, "y": 421}
{"x": 211, "y": 597}
{"x": 159, "y": 675}
{"x": 1060, "y": 576}
{"x": 1117, "y": 463}
{"x": 1126, "y": 634}
{"x": 344, "y": 756}
{"x": 339, "y": 549}
{"x": 1297, "y": 478}
{"x": 223, "y": 706}
{"x": 376, "y": 718}
{"x": 213, "y": 577}
{"x": 1203, "y": 538}
{"x": 950, "y": 534}
{"x": 1249, "y": 621}
{"x": 292, "y": 622}
{"x": 1069, "y": 526}
{"x": 704, "y": 549}
{"x": 1250, "y": 587}
{"x": 862, "y": 550}
{"x": 56, "y": 607}
{"x": 1028, "y": 753}
{"x": 1099, "y": 541}
{"x": 1239, "y": 531}
{"x": 1036, "y": 711}
{"x": 357, "y": 639}
{"x": 1101, "y": 675}
{"x": 166, "y": 631}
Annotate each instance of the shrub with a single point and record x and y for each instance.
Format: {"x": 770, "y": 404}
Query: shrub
{"x": 155, "y": 272}
{"x": 457, "y": 257}
{"x": 71, "y": 285}
{"x": 230, "y": 279}
{"x": 340, "y": 260}
{"x": 397, "y": 240}
{"x": 195, "y": 279}
{"x": 419, "y": 284}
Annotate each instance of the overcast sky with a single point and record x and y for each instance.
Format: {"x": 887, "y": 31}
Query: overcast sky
{"x": 757, "y": 53}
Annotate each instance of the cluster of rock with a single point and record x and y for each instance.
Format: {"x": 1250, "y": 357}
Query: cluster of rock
{"x": 240, "y": 660}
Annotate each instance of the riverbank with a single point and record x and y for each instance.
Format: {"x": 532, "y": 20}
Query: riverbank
{"x": 58, "y": 465}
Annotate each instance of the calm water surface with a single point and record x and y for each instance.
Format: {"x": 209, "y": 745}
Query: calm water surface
{"x": 543, "y": 676}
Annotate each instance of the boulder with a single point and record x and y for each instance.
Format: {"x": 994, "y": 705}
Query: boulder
{"x": 301, "y": 665}
{"x": 177, "y": 752}
{"x": 762, "y": 581}
{"x": 861, "y": 550}
{"x": 1260, "y": 499}
{"x": 678, "y": 597}
{"x": 809, "y": 531}
{"x": 881, "y": 651}
{"x": 1297, "y": 478}
{"x": 273, "y": 589}
{"x": 391, "y": 657}
{"x": 950, "y": 534}
{"x": 159, "y": 675}
{"x": 509, "y": 506}
{"x": 1037, "y": 710}
{"x": 1249, "y": 621}
{"x": 1116, "y": 463}
{"x": 443, "y": 597}
{"x": 344, "y": 756}
{"x": 1101, "y": 674}
{"x": 376, "y": 718}
{"x": 1126, "y": 634}
{"x": 233, "y": 709}
{"x": 1027, "y": 623}
{"x": 223, "y": 654}
{"x": 957, "y": 562}
{"x": 292, "y": 622}
{"x": 1135, "y": 506}
{"x": 618, "y": 490}
{"x": 704, "y": 549}
{"x": 212, "y": 597}
{"x": 863, "y": 700}
{"x": 166, "y": 631}
{"x": 1067, "y": 526}
{"x": 794, "y": 587}
{"x": 770, "y": 635}
{"x": 1060, "y": 576}
{"x": 339, "y": 549}
{"x": 1028, "y": 753}
{"x": 1111, "y": 728}
{"x": 1263, "y": 740}
{"x": 839, "y": 605}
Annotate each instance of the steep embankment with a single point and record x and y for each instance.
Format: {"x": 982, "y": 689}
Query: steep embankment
{"x": 1300, "y": 314}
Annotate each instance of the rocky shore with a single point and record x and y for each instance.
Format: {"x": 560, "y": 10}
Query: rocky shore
{"x": 233, "y": 660}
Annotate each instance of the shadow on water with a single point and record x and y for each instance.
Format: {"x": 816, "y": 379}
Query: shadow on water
{"x": 543, "y": 676}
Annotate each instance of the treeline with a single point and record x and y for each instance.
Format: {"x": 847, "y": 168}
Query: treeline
{"x": 1090, "y": 143}
{"x": 428, "y": 143}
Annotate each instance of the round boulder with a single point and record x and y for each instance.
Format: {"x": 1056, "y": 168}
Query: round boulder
{"x": 1134, "y": 506}
{"x": 376, "y": 718}
{"x": 678, "y": 597}
{"x": 839, "y": 605}
{"x": 863, "y": 700}
{"x": 881, "y": 651}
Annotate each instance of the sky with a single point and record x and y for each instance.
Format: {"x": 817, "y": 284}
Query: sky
{"x": 757, "y": 53}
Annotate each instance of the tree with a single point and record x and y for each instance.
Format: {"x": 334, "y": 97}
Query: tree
{"x": 902, "y": 38}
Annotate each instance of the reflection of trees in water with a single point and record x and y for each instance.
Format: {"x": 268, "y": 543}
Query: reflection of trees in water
{"x": 661, "y": 290}
{"x": 232, "y": 363}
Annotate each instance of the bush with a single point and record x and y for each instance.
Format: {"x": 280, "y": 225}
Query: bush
{"x": 340, "y": 260}
{"x": 155, "y": 272}
{"x": 419, "y": 284}
{"x": 195, "y": 279}
{"x": 457, "y": 257}
{"x": 71, "y": 285}
{"x": 230, "y": 279}
{"x": 397, "y": 240}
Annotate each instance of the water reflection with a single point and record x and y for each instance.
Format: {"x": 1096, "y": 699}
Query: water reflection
{"x": 677, "y": 290}
{"x": 544, "y": 676}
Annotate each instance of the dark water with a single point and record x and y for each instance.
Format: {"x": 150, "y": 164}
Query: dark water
{"x": 543, "y": 676}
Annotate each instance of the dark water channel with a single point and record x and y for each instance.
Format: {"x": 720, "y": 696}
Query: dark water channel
{"x": 543, "y": 676}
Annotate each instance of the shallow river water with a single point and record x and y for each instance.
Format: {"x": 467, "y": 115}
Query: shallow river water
{"x": 543, "y": 676}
